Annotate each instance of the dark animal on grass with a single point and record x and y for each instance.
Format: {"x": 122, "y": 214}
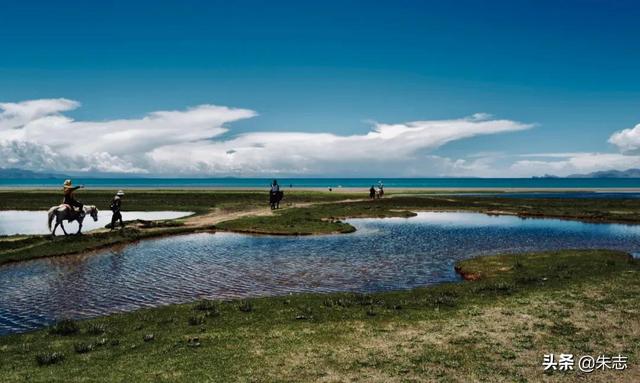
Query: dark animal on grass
{"x": 67, "y": 213}
{"x": 274, "y": 199}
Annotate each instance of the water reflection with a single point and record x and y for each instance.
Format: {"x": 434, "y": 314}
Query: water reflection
{"x": 35, "y": 222}
{"x": 384, "y": 254}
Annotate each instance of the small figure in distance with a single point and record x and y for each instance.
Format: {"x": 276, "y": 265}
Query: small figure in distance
{"x": 275, "y": 195}
{"x": 372, "y": 192}
{"x": 116, "y": 205}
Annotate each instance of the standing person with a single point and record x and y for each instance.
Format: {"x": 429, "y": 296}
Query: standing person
{"x": 381, "y": 187}
{"x": 116, "y": 204}
{"x": 372, "y": 192}
{"x": 275, "y": 187}
{"x": 274, "y": 195}
{"x": 69, "y": 199}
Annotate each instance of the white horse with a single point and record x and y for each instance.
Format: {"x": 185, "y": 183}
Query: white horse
{"x": 379, "y": 192}
{"x": 67, "y": 213}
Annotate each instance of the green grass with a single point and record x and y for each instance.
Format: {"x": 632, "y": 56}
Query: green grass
{"x": 602, "y": 210}
{"x": 149, "y": 200}
{"x": 46, "y": 246}
{"x": 18, "y": 248}
{"x": 493, "y": 329}
{"x": 324, "y": 215}
{"x": 299, "y": 221}
{"x": 328, "y": 217}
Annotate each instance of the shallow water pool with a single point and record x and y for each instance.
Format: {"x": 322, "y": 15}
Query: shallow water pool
{"x": 35, "y": 222}
{"x": 384, "y": 254}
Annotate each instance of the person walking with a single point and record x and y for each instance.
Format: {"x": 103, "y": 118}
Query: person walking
{"x": 116, "y": 205}
{"x": 372, "y": 192}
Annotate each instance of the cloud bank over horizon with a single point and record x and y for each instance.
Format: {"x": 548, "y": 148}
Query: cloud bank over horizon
{"x": 38, "y": 135}
{"x": 627, "y": 142}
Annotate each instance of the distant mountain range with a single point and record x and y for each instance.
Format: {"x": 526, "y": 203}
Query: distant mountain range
{"x": 629, "y": 173}
{"x": 26, "y": 174}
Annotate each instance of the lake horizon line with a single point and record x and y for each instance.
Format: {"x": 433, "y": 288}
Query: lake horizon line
{"x": 332, "y": 182}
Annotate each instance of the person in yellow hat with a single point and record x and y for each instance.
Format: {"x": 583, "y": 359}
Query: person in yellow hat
{"x": 69, "y": 198}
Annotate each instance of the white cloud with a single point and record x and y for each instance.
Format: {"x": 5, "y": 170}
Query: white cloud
{"x": 551, "y": 155}
{"x": 565, "y": 164}
{"x": 15, "y": 115}
{"x": 133, "y": 136}
{"x": 627, "y": 140}
{"x": 36, "y": 135}
{"x": 29, "y": 155}
{"x": 387, "y": 146}
{"x": 189, "y": 142}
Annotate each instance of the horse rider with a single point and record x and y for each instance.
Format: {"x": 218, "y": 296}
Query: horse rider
{"x": 274, "y": 195}
{"x": 381, "y": 188}
{"x": 69, "y": 198}
{"x": 275, "y": 188}
{"x": 116, "y": 204}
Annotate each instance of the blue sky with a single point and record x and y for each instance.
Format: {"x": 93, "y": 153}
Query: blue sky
{"x": 569, "y": 69}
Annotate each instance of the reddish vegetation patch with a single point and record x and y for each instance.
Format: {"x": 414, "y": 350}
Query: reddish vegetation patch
{"x": 467, "y": 276}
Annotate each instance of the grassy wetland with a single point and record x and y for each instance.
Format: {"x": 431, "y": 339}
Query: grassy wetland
{"x": 495, "y": 327}
{"x": 208, "y": 207}
{"x": 301, "y": 213}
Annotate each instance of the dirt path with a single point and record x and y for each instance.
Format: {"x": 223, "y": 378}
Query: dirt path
{"x": 219, "y": 215}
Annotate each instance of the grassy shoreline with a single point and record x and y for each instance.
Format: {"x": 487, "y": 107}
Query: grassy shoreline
{"x": 303, "y": 213}
{"x": 496, "y": 328}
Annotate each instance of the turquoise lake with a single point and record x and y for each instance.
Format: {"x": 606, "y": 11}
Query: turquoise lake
{"x": 333, "y": 182}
